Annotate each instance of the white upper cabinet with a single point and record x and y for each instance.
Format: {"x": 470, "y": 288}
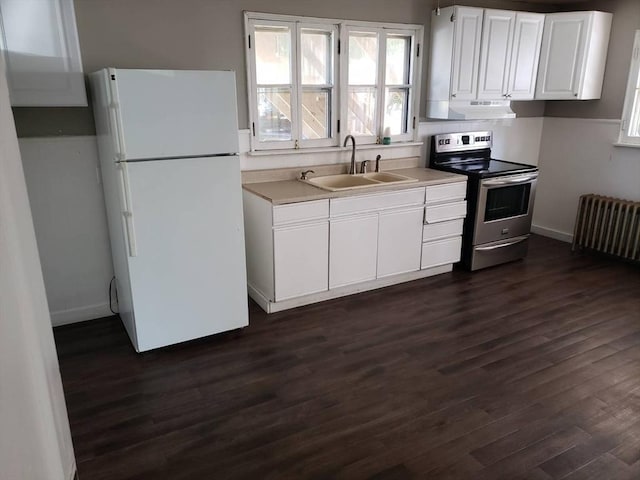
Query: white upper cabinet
{"x": 466, "y": 52}
{"x": 495, "y": 55}
{"x": 482, "y": 54}
{"x": 525, "y": 55}
{"x": 573, "y": 56}
{"x": 509, "y": 56}
{"x": 42, "y": 54}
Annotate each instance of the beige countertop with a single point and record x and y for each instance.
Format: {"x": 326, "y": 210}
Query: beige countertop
{"x": 293, "y": 191}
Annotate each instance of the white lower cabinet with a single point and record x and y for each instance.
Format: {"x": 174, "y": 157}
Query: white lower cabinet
{"x": 444, "y": 215}
{"x": 305, "y": 252}
{"x": 399, "y": 241}
{"x": 287, "y": 248}
{"x": 300, "y": 254}
{"x": 353, "y": 246}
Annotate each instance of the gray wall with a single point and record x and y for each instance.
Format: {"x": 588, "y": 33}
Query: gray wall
{"x": 626, "y": 20}
{"x": 208, "y": 34}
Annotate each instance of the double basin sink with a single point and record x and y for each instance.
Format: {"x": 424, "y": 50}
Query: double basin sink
{"x": 335, "y": 183}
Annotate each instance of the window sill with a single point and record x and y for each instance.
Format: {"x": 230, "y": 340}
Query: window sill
{"x": 628, "y": 145}
{"x": 374, "y": 146}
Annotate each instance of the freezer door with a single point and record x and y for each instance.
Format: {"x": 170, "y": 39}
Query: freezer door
{"x": 174, "y": 113}
{"x": 188, "y": 274}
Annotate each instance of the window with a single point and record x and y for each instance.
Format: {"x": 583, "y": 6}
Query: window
{"x": 630, "y": 127}
{"x": 314, "y": 81}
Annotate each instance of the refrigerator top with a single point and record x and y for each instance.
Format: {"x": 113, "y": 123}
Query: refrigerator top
{"x": 173, "y": 113}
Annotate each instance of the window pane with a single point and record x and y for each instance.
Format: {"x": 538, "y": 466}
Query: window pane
{"x": 274, "y": 114}
{"x": 361, "y": 111}
{"x": 273, "y": 55}
{"x": 316, "y": 54}
{"x": 363, "y": 58}
{"x": 316, "y": 106}
{"x": 634, "y": 123}
{"x": 396, "y": 110}
{"x": 397, "y": 71}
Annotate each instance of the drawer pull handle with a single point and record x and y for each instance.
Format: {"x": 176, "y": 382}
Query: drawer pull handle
{"x": 507, "y": 244}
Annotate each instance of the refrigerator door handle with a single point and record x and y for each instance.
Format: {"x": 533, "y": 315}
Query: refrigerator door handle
{"x": 116, "y": 121}
{"x": 117, "y": 130}
{"x": 127, "y": 213}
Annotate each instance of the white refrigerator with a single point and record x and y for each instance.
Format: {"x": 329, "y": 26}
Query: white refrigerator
{"x": 168, "y": 146}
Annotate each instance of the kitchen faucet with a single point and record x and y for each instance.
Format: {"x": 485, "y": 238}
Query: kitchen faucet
{"x": 352, "y": 169}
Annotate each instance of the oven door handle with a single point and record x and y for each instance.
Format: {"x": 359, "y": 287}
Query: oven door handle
{"x": 510, "y": 181}
{"x": 506, "y": 244}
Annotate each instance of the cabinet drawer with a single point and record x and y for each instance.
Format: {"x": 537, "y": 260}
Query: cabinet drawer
{"x": 440, "y": 230}
{"x": 445, "y": 212}
{"x": 441, "y": 252}
{"x": 300, "y": 212}
{"x": 379, "y": 201}
{"x": 448, "y": 192}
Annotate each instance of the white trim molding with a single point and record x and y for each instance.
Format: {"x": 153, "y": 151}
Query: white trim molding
{"x": 80, "y": 314}
{"x": 551, "y": 233}
{"x": 631, "y": 111}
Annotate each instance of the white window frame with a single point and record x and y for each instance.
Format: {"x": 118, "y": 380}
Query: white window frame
{"x": 632, "y": 97}
{"x": 345, "y": 31}
{"x": 412, "y": 87}
{"x": 338, "y": 114}
{"x": 335, "y": 73}
{"x": 250, "y": 25}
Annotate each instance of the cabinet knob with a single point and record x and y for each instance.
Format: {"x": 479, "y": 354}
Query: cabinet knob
{"x": 575, "y": 94}
{"x": 453, "y": 95}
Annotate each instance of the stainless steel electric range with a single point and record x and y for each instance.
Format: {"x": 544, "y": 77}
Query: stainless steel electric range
{"x": 500, "y": 197}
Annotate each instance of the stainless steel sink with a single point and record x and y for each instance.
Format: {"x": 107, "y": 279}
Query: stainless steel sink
{"x": 335, "y": 183}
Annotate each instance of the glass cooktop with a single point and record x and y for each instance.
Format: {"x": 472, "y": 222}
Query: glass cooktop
{"x": 483, "y": 167}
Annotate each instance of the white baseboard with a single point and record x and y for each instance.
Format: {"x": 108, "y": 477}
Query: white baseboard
{"x": 80, "y": 314}
{"x": 551, "y": 233}
{"x": 273, "y": 307}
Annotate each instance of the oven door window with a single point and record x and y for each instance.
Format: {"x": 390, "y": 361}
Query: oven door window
{"x": 505, "y": 202}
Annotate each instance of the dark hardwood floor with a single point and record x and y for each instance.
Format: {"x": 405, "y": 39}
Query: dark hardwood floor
{"x": 527, "y": 370}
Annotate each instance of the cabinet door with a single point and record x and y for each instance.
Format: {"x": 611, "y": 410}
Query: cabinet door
{"x": 497, "y": 35}
{"x": 562, "y": 55}
{"x": 42, "y": 53}
{"x": 353, "y": 247}
{"x": 466, "y": 52}
{"x": 399, "y": 241}
{"x": 301, "y": 259}
{"x": 525, "y": 55}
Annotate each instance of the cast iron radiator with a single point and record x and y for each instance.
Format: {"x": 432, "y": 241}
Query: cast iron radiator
{"x": 608, "y": 225}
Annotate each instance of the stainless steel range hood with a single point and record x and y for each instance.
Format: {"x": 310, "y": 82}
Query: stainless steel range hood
{"x": 469, "y": 110}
